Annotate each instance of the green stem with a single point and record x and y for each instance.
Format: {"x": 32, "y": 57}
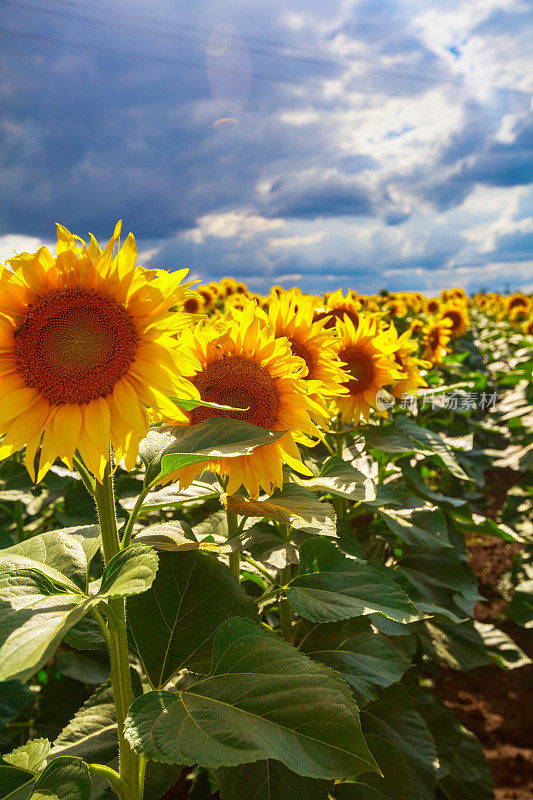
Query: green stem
{"x": 233, "y": 530}
{"x": 19, "y": 521}
{"x": 339, "y": 503}
{"x": 87, "y": 478}
{"x": 126, "y": 538}
{"x": 112, "y": 777}
{"x": 118, "y": 641}
{"x": 285, "y": 611}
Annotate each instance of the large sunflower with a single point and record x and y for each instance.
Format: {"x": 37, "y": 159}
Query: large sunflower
{"x": 86, "y": 349}
{"x": 369, "y": 356}
{"x": 291, "y": 316}
{"x": 239, "y": 362}
{"x": 337, "y": 308}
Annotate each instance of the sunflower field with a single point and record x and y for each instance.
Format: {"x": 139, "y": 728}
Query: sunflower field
{"x": 235, "y": 529}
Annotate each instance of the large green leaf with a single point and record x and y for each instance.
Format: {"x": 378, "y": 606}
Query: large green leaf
{"x": 68, "y": 550}
{"x": 32, "y": 620}
{"x": 217, "y": 437}
{"x": 64, "y": 778}
{"x": 419, "y": 486}
{"x": 331, "y": 586}
{"x": 364, "y": 659}
{"x": 394, "y": 719}
{"x": 173, "y": 624}
{"x": 339, "y": 478}
{"x": 263, "y": 699}
{"x": 269, "y": 780}
{"x": 131, "y": 571}
{"x": 395, "y": 783}
{"x": 92, "y": 732}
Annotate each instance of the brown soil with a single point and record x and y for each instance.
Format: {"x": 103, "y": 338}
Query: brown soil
{"x": 497, "y": 705}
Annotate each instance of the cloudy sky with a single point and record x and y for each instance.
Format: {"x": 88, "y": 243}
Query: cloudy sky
{"x": 362, "y": 143}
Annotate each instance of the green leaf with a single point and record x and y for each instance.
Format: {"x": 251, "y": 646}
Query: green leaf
{"x": 29, "y": 756}
{"x": 64, "y": 778}
{"x": 173, "y": 624}
{"x": 405, "y": 436}
{"x": 342, "y": 480}
{"x": 364, "y": 659}
{"x": 419, "y": 486}
{"x": 396, "y": 783}
{"x": 14, "y": 698}
{"x": 131, "y": 571}
{"x": 331, "y": 586}
{"x": 459, "y": 646}
{"x": 294, "y": 506}
{"x": 92, "y": 732}
{"x": 217, "y": 437}
{"x": 501, "y": 648}
{"x": 417, "y": 526}
{"x": 394, "y": 719}
{"x": 33, "y": 621}
{"x": 82, "y": 668}
{"x": 15, "y": 783}
{"x": 477, "y": 524}
{"x": 521, "y": 607}
{"x": 68, "y": 550}
{"x": 173, "y": 535}
{"x": 86, "y": 635}
{"x": 269, "y": 780}
{"x": 463, "y": 772}
{"x": 263, "y": 699}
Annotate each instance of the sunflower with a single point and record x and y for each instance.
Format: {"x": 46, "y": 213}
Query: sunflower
{"x": 407, "y": 363}
{"x": 458, "y": 316}
{"x": 238, "y": 362}
{"x": 437, "y": 335}
{"x": 291, "y": 316}
{"x": 337, "y": 308}
{"x": 86, "y": 349}
{"x": 369, "y": 356}
{"x": 433, "y": 306}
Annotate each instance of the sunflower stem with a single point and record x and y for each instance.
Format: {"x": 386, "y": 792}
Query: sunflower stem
{"x": 233, "y": 530}
{"x": 285, "y": 611}
{"x": 339, "y": 503}
{"x": 118, "y": 641}
{"x": 126, "y": 538}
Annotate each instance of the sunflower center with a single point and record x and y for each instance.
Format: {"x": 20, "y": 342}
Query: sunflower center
{"x": 332, "y": 314}
{"x": 456, "y": 319}
{"x": 73, "y": 345}
{"x": 301, "y": 351}
{"x": 361, "y": 368}
{"x": 236, "y": 381}
{"x": 434, "y": 338}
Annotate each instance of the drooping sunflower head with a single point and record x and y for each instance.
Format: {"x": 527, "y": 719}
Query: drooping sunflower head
{"x": 237, "y": 361}
{"x": 459, "y": 318}
{"x": 86, "y": 350}
{"x": 369, "y": 358}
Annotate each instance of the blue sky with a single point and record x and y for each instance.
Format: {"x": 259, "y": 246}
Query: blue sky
{"x": 360, "y": 143}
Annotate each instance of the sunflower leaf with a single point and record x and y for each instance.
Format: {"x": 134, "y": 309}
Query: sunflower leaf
{"x": 331, "y": 587}
{"x": 268, "y": 780}
{"x": 217, "y": 437}
{"x": 263, "y": 699}
{"x": 65, "y": 778}
{"x": 130, "y": 571}
{"x": 174, "y": 623}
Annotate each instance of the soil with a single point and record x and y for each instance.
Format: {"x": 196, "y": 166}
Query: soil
{"x": 497, "y": 705}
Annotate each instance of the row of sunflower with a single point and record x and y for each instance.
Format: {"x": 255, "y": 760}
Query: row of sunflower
{"x": 93, "y": 348}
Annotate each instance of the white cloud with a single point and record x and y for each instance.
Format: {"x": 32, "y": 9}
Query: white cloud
{"x": 13, "y": 243}
{"x": 297, "y": 241}
{"x": 232, "y": 224}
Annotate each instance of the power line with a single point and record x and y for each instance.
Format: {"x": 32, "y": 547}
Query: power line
{"x": 176, "y": 62}
{"x": 314, "y": 56}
